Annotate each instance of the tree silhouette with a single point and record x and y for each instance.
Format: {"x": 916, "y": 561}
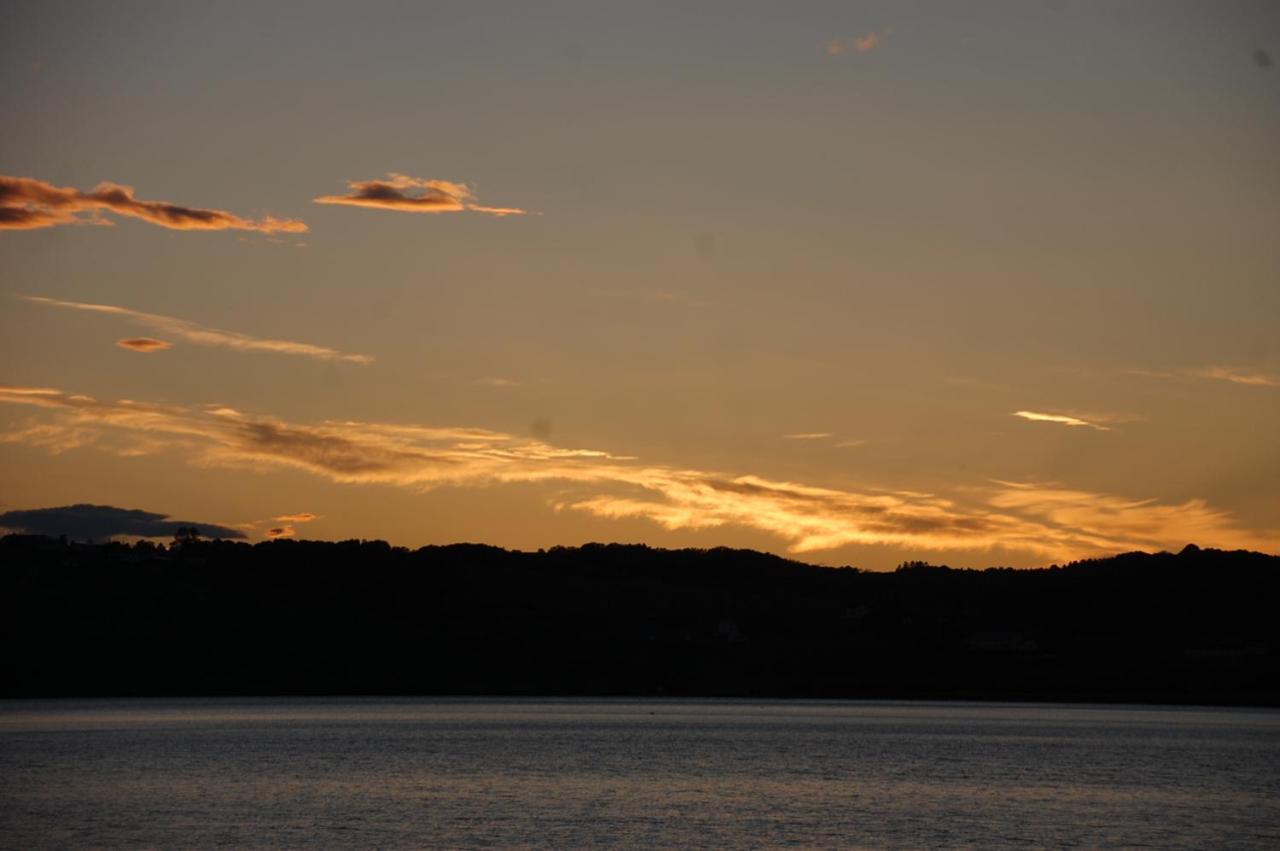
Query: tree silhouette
{"x": 206, "y": 617}
{"x": 185, "y": 536}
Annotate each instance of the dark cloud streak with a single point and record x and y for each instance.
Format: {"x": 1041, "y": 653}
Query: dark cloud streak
{"x": 84, "y": 522}
{"x": 144, "y": 344}
{"x": 29, "y": 204}
{"x": 429, "y": 196}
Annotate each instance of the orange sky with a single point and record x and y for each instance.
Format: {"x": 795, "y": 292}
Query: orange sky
{"x": 855, "y": 282}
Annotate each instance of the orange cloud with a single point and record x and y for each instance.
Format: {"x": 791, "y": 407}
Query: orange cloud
{"x": 1061, "y": 419}
{"x": 1236, "y": 376}
{"x": 1050, "y": 521}
{"x": 54, "y": 439}
{"x": 1111, "y": 523}
{"x": 202, "y": 335}
{"x": 302, "y": 517}
{"x": 280, "y": 532}
{"x": 414, "y": 195}
{"x": 860, "y": 44}
{"x": 144, "y": 344}
{"x": 28, "y": 204}
{"x": 866, "y": 43}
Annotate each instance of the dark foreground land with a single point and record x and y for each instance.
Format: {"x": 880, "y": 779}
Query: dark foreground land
{"x": 296, "y": 617}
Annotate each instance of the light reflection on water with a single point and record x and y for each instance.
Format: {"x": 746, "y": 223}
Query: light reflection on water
{"x": 569, "y": 773}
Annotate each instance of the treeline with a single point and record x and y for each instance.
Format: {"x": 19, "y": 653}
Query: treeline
{"x": 361, "y": 617}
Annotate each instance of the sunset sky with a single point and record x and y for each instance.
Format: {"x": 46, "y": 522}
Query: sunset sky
{"x": 978, "y": 283}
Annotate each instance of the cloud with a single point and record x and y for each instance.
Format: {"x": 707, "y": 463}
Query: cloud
{"x": 1236, "y": 376}
{"x": 859, "y": 44}
{"x": 1111, "y": 523}
{"x": 866, "y": 43}
{"x": 52, "y": 438}
{"x": 144, "y": 344}
{"x": 414, "y": 195}
{"x": 497, "y": 381}
{"x": 31, "y": 391}
{"x": 824, "y": 435}
{"x": 1214, "y": 373}
{"x": 287, "y": 521}
{"x": 1061, "y": 419}
{"x": 202, "y": 335}
{"x": 98, "y": 522}
{"x": 29, "y": 204}
{"x": 1049, "y": 521}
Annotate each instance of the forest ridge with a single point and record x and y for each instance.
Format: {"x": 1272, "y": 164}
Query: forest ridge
{"x": 202, "y": 617}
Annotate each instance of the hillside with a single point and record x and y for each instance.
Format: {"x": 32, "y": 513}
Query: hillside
{"x": 301, "y": 617}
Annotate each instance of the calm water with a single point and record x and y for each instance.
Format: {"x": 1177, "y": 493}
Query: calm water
{"x": 715, "y": 774}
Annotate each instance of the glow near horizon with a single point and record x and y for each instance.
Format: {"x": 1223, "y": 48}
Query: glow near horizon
{"x": 749, "y": 228}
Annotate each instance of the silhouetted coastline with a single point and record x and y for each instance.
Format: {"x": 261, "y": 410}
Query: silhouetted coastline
{"x": 293, "y": 617}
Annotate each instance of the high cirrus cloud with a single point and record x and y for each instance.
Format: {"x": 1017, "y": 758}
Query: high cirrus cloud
{"x": 867, "y": 43}
{"x": 859, "y": 44}
{"x": 1233, "y": 375}
{"x": 98, "y": 522}
{"x": 29, "y": 204}
{"x": 200, "y": 335}
{"x": 1047, "y": 520}
{"x": 144, "y": 344}
{"x": 289, "y": 520}
{"x": 1237, "y": 376}
{"x": 414, "y": 195}
{"x": 1060, "y": 419}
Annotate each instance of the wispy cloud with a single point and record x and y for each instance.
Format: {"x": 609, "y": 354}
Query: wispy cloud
{"x": 1107, "y": 522}
{"x": 1233, "y": 375}
{"x": 287, "y": 521}
{"x": 867, "y": 43}
{"x": 815, "y": 436}
{"x": 144, "y": 344}
{"x": 1052, "y": 522}
{"x": 414, "y": 195}
{"x": 1236, "y": 376}
{"x": 53, "y": 438}
{"x": 29, "y": 204}
{"x": 1060, "y": 419}
{"x": 202, "y": 335}
{"x": 858, "y": 44}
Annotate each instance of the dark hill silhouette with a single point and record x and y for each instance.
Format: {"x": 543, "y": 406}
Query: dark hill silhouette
{"x": 362, "y": 617}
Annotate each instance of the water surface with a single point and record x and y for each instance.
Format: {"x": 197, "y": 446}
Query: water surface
{"x": 567, "y": 773}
